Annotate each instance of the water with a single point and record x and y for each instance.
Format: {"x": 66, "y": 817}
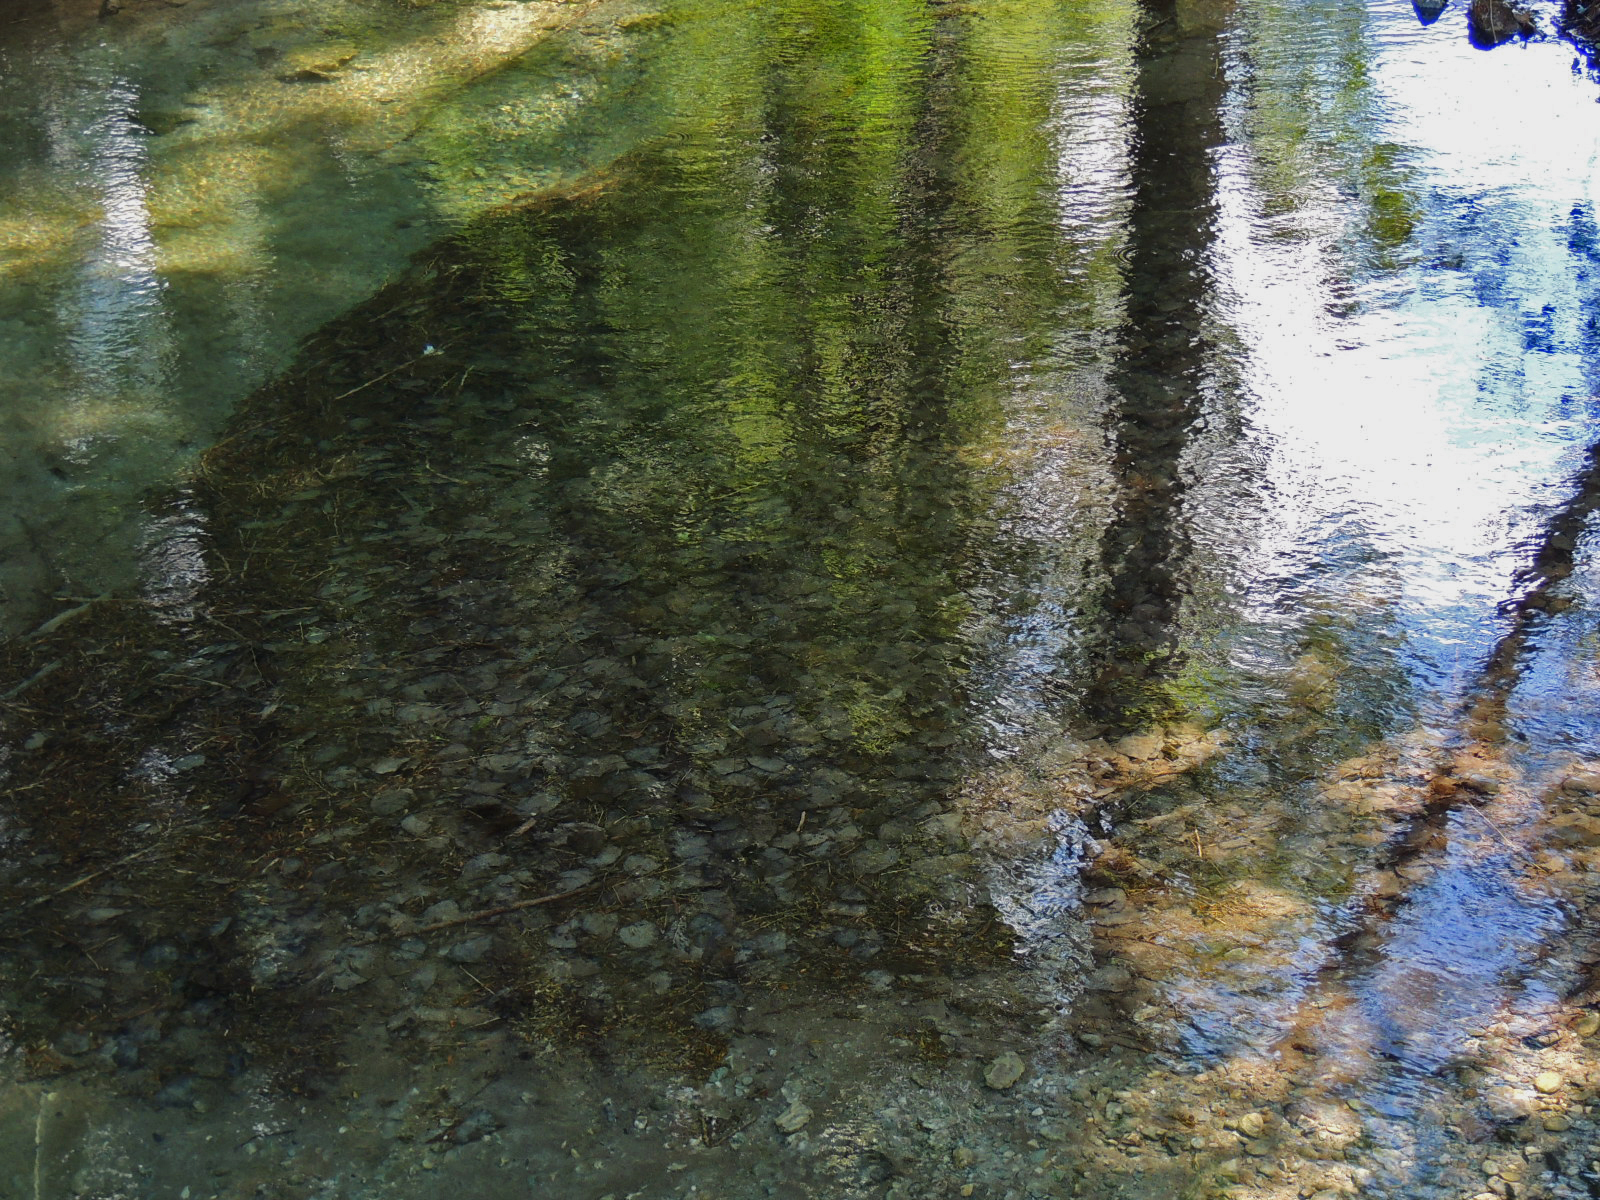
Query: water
{"x": 779, "y": 552}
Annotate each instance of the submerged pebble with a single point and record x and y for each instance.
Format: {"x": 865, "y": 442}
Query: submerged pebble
{"x": 1004, "y": 1071}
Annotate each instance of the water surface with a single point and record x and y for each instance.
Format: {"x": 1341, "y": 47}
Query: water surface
{"x": 1067, "y": 520}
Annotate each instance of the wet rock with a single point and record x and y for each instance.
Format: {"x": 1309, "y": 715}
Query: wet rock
{"x": 1547, "y": 1083}
{"x": 794, "y": 1118}
{"x": 178, "y": 1093}
{"x": 1512, "y": 1170}
{"x": 473, "y": 950}
{"x": 482, "y": 864}
{"x": 162, "y": 954}
{"x": 1140, "y": 747}
{"x": 315, "y": 64}
{"x": 445, "y": 910}
{"x": 583, "y": 838}
{"x": 1491, "y": 22}
{"x": 1004, "y": 1071}
{"x": 417, "y": 825}
{"x": 873, "y": 857}
{"x": 1587, "y": 1025}
{"x": 479, "y": 1124}
{"x": 600, "y": 926}
{"x": 391, "y": 802}
{"x": 720, "y": 1018}
{"x": 637, "y": 936}
{"x": 1110, "y": 978}
{"x": 1252, "y": 1125}
{"x": 1110, "y": 897}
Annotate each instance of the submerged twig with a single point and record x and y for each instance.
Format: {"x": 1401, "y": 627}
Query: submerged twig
{"x": 1490, "y": 823}
{"x": 83, "y": 879}
{"x": 30, "y": 681}
{"x": 489, "y": 913}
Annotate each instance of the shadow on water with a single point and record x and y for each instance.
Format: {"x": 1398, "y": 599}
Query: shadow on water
{"x": 602, "y": 576}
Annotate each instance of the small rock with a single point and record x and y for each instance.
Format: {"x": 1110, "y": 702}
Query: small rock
{"x": 416, "y": 825}
{"x": 719, "y": 1019}
{"x": 1140, "y": 746}
{"x": 638, "y": 935}
{"x": 474, "y": 950}
{"x": 1110, "y": 978}
{"x": 1004, "y": 1071}
{"x": 478, "y": 1125}
{"x": 1547, "y": 1083}
{"x": 585, "y": 838}
{"x": 1252, "y": 1125}
{"x": 395, "y": 800}
{"x": 599, "y": 925}
{"x": 963, "y": 1157}
{"x": 1113, "y": 897}
{"x": 1556, "y": 1123}
{"x": 794, "y": 1118}
{"x": 1587, "y": 1025}
{"x": 1490, "y": 22}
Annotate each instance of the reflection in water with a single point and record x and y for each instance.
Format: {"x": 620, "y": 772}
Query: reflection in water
{"x": 959, "y": 417}
{"x": 165, "y": 238}
{"x": 1159, "y": 379}
{"x": 114, "y": 314}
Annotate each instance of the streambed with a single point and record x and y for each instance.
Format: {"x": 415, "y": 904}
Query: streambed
{"x": 992, "y": 605}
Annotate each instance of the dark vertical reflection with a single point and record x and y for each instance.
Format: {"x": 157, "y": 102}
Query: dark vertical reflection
{"x": 1159, "y": 375}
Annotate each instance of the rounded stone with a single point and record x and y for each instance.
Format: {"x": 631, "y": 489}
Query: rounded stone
{"x": 1547, "y": 1082}
{"x": 794, "y": 1118}
{"x": 638, "y": 935}
{"x": 1004, "y": 1071}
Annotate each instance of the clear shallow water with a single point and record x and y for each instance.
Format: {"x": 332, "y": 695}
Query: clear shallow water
{"x": 167, "y": 241}
{"x": 877, "y": 412}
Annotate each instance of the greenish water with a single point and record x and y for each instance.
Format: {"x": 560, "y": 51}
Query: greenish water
{"x": 631, "y": 538}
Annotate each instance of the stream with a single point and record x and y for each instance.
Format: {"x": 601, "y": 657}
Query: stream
{"x": 832, "y": 598}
